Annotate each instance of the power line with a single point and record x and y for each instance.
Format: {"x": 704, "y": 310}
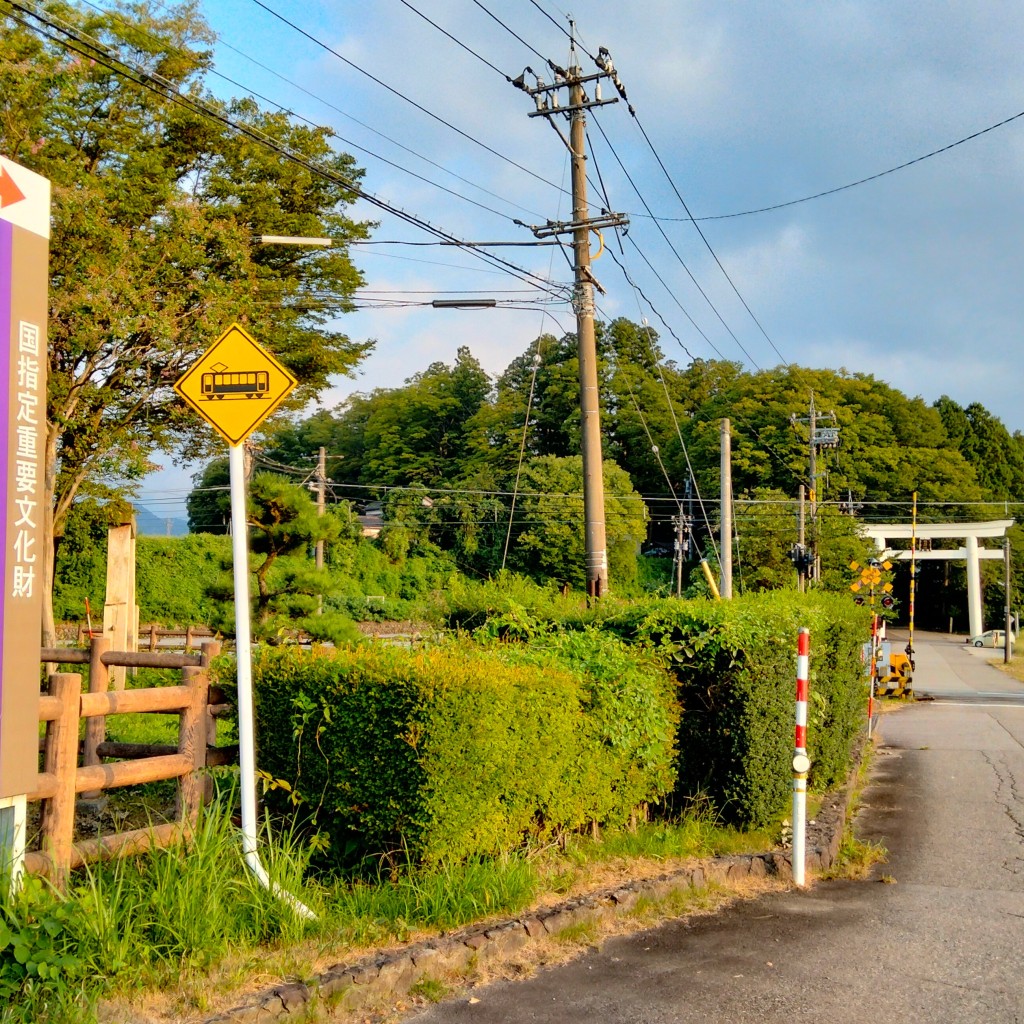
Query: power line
{"x": 333, "y": 134}
{"x": 672, "y": 295}
{"x": 455, "y": 40}
{"x": 675, "y": 252}
{"x": 561, "y": 28}
{"x": 679, "y": 196}
{"x": 401, "y": 95}
{"x": 101, "y": 55}
{"x": 852, "y": 184}
{"x": 511, "y": 32}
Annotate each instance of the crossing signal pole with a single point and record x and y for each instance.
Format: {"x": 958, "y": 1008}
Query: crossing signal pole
{"x": 548, "y": 105}
{"x": 818, "y": 437}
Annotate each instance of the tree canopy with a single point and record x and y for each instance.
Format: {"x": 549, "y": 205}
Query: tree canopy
{"x": 157, "y": 205}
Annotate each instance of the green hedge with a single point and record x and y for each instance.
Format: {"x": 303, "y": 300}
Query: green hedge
{"x": 463, "y": 750}
{"x": 735, "y": 669}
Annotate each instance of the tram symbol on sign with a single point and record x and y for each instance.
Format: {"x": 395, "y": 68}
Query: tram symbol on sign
{"x": 219, "y": 382}
{"x": 238, "y": 368}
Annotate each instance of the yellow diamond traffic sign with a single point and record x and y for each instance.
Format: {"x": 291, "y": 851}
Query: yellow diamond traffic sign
{"x": 235, "y": 385}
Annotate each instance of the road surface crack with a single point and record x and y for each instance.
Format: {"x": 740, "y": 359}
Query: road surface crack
{"x": 1008, "y": 796}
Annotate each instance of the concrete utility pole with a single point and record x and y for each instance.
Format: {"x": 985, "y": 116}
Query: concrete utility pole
{"x": 1007, "y": 645}
{"x": 321, "y": 500}
{"x": 580, "y": 228}
{"x": 680, "y": 527}
{"x": 726, "y": 531}
{"x": 801, "y": 575}
{"x": 818, "y": 437}
{"x": 321, "y": 508}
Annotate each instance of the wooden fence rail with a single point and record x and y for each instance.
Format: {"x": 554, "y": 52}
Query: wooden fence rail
{"x": 61, "y": 778}
{"x": 155, "y": 633}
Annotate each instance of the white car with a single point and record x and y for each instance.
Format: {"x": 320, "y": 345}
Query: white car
{"x": 991, "y": 638}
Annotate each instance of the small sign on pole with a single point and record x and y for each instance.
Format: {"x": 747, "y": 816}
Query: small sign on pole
{"x": 235, "y": 385}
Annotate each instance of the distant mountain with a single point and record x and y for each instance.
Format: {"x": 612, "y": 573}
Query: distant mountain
{"x": 150, "y": 524}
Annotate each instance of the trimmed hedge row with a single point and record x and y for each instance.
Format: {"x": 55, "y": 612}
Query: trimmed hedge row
{"x": 465, "y": 749}
{"x": 735, "y": 669}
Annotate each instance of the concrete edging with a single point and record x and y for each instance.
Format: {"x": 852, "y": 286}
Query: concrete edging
{"x": 393, "y": 974}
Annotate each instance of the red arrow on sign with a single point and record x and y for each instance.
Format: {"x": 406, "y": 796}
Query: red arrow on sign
{"x": 9, "y": 191}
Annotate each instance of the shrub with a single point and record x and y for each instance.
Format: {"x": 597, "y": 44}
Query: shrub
{"x": 41, "y": 975}
{"x": 734, "y": 664}
{"x": 452, "y": 752}
{"x": 632, "y": 715}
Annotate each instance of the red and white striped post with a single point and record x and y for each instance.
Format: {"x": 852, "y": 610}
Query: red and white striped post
{"x": 873, "y": 675}
{"x": 801, "y": 762}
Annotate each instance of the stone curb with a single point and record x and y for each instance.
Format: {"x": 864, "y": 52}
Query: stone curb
{"x": 393, "y": 974}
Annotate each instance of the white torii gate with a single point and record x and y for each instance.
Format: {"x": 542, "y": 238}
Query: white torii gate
{"x": 972, "y": 552}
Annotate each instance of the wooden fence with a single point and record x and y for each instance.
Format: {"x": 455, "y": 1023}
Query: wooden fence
{"x": 62, "y": 779}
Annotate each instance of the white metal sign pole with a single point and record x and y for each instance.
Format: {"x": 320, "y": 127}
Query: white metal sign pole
{"x": 243, "y": 654}
{"x": 243, "y": 657}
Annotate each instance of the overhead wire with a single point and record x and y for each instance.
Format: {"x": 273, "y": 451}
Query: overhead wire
{"x": 529, "y": 409}
{"x": 859, "y": 181}
{"x": 341, "y": 138}
{"x": 458, "y": 42}
{"x": 510, "y": 31}
{"x": 100, "y": 54}
{"x": 704, "y": 239}
{"x": 815, "y": 195}
{"x": 601, "y": 63}
{"x": 408, "y": 99}
{"x": 673, "y": 249}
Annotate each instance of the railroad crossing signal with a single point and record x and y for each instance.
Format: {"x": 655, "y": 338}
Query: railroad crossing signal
{"x": 870, "y": 576}
{"x": 235, "y": 385}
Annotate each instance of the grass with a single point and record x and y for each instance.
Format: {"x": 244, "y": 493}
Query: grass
{"x": 1014, "y": 668}
{"x": 139, "y": 925}
{"x": 430, "y": 989}
{"x": 856, "y": 856}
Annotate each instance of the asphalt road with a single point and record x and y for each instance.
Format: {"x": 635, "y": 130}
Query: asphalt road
{"x": 941, "y": 940}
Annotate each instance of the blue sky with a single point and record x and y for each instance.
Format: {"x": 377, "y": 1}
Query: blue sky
{"x": 914, "y": 277}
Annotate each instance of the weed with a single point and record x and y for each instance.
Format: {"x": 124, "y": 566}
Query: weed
{"x": 431, "y": 989}
{"x": 856, "y": 858}
{"x": 582, "y": 933}
{"x": 680, "y": 902}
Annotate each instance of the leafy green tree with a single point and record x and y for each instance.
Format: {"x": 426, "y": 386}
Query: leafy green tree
{"x": 890, "y": 445}
{"x": 996, "y": 456}
{"x": 420, "y": 435}
{"x": 548, "y": 529}
{"x": 155, "y": 211}
{"x": 767, "y": 531}
{"x": 283, "y": 520}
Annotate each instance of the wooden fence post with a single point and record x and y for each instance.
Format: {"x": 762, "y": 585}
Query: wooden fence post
{"x": 192, "y": 744}
{"x": 211, "y": 649}
{"x": 152, "y": 636}
{"x": 61, "y": 759}
{"x": 99, "y": 682}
